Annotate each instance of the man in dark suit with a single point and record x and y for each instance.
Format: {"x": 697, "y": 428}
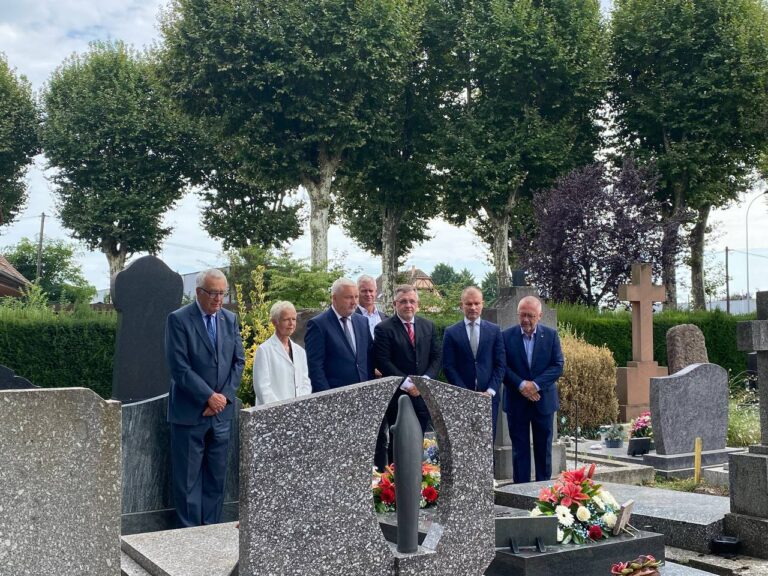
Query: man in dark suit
{"x": 534, "y": 363}
{"x": 406, "y": 345}
{"x": 473, "y": 352}
{"x": 338, "y": 342}
{"x": 205, "y": 359}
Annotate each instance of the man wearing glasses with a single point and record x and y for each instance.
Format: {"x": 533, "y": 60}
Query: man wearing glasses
{"x": 206, "y": 359}
{"x": 534, "y": 363}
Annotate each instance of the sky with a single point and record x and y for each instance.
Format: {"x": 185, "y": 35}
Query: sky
{"x": 36, "y": 37}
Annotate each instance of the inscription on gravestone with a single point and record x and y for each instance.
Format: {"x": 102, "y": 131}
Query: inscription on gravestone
{"x": 143, "y": 294}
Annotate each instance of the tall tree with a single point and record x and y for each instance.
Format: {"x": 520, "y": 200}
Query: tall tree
{"x": 522, "y": 111}
{"x": 298, "y": 83}
{"x": 115, "y": 142}
{"x": 19, "y": 121}
{"x": 690, "y": 92}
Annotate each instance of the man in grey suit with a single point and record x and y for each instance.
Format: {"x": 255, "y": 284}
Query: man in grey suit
{"x": 206, "y": 359}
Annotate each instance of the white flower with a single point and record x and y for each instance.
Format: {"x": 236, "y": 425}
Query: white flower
{"x": 536, "y": 512}
{"x": 560, "y": 535}
{"x": 583, "y": 514}
{"x": 598, "y": 502}
{"x": 564, "y": 516}
{"x": 608, "y": 498}
{"x": 610, "y": 519}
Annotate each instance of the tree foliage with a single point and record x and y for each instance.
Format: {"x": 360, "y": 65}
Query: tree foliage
{"x": 591, "y": 227}
{"x": 689, "y": 88}
{"x": 19, "y": 120}
{"x": 61, "y": 278}
{"x": 116, "y": 145}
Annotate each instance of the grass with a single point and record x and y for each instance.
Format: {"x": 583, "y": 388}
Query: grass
{"x": 743, "y": 420}
{"x": 688, "y": 485}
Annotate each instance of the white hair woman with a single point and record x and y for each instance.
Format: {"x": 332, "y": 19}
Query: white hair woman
{"x": 280, "y": 365}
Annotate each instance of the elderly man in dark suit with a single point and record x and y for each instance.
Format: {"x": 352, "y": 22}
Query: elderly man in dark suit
{"x": 473, "y": 352}
{"x": 534, "y": 363}
{"x": 338, "y": 342}
{"x": 406, "y": 345}
{"x": 205, "y": 359}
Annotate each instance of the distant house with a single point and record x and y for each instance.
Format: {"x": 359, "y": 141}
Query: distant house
{"x": 12, "y": 283}
{"x": 415, "y": 277}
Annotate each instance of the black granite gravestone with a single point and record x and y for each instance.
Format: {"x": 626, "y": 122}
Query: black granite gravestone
{"x": 9, "y": 380}
{"x": 143, "y": 294}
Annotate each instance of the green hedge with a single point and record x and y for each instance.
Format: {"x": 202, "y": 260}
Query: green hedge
{"x": 59, "y": 350}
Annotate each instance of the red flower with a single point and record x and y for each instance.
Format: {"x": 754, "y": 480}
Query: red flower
{"x": 387, "y": 494}
{"x": 547, "y": 495}
{"x": 619, "y": 567}
{"x": 594, "y": 532}
{"x": 576, "y": 476}
{"x": 572, "y": 494}
{"x": 591, "y": 470}
{"x": 430, "y": 494}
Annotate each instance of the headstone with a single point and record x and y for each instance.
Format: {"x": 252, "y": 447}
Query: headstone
{"x": 59, "y": 483}
{"x": 143, "y": 294}
{"x": 748, "y": 473}
{"x": 504, "y": 313}
{"x": 690, "y": 404}
{"x": 9, "y": 380}
{"x": 685, "y": 346}
{"x": 147, "y": 504}
{"x": 305, "y": 493}
{"x": 633, "y": 381}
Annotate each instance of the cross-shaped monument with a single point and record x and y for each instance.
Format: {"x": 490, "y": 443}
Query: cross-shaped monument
{"x": 748, "y": 471}
{"x": 633, "y": 382}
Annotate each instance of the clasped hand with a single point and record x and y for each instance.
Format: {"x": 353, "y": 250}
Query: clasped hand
{"x": 528, "y": 390}
{"x": 216, "y": 404}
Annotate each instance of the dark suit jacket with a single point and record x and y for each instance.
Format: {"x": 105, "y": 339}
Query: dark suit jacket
{"x": 197, "y": 371}
{"x": 330, "y": 359}
{"x": 396, "y": 357}
{"x": 462, "y": 369}
{"x": 547, "y": 367}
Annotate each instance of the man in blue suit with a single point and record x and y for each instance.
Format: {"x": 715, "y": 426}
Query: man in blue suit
{"x": 338, "y": 342}
{"x": 473, "y": 351}
{"x": 205, "y": 358}
{"x": 534, "y": 363}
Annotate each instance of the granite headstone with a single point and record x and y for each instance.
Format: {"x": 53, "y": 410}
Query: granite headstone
{"x": 60, "y": 483}
{"x": 685, "y": 346}
{"x": 10, "y": 381}
{"x": 143, "y": 295}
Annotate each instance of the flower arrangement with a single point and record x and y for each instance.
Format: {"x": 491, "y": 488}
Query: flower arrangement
{"x": 384, "y": 487}
{"x": 585, "y": 512}
{"x": 641, "y": 426}
{"x": 642, "y": 566}
{"x": 431, "y": 454}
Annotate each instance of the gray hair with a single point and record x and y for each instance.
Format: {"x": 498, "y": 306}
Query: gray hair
{"x": 469, "y": 289}
{"x": 366, "y": 278}
{"x": 529, "y": 300}
{"x": 214, "y": 273}
{"x": 339, "y": 283}
{"x": 406, "y": 289}
{"x": 278, "y": 308}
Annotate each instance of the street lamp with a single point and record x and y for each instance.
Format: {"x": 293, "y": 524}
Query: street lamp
{"x": 746, "y": 229}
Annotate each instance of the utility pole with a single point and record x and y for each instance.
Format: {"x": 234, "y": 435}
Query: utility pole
{"x": 727, "y": 285}
{"x": 40, "y": 249}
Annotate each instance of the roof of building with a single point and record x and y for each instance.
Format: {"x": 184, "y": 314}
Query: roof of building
{"x": 11, "y": 280}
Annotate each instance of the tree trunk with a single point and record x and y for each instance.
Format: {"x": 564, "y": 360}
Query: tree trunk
{"x": 500, "y": 249}
{"x": 696, "y": 243}
{"x": 670, "y": 245}
{"x": 115, "y": 257}
{"x": 389, "y": 243}
{"x": 319, "y": 189}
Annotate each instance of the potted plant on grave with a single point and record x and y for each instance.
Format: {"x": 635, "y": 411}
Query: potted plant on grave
{"x": 640, "y": 435}
{"x": 614, "y": 436}
{"x": 645, "y": 565}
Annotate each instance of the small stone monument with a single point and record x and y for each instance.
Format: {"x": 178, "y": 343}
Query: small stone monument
{"x": 748, "y": 519}
{"x": 685, "y": 346}
{"x": 143, "y": 294}
{"x": 633, "y": 381}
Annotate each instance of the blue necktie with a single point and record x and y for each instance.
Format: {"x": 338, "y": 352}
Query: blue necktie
{"x": 210, "y": 329}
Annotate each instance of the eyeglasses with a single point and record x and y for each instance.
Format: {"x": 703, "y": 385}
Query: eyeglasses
{"x": 527, "y": 316}
{"x": 404, "y": 301}
{"x": 213, "y": 293}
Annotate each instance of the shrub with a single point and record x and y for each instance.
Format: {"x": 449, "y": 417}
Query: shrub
{"x": 743, "y": 420}
{"x": 589, "y": 379}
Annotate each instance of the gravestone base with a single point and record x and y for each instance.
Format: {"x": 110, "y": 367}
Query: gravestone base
{"x": 633, "y": 385}
{"x": 751, "y": 530}
{"x": 681, "y": 465}
{"x": 577, "y": 560}
{"x": 748, "y": 519}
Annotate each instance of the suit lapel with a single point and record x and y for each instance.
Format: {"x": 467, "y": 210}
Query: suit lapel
{"x": 199, "y": 323}
{"x": 340, "y": 331}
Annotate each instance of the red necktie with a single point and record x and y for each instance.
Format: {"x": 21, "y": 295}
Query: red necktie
{"x": 411, "y": 335}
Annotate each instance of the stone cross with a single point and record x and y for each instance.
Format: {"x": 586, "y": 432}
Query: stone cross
{"x": 642, "y": 293}
{"x": 753, "y": 336}
{"x": 633, "y": 381}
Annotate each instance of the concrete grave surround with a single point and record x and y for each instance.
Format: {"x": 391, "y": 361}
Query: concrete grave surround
{"x": 60, "y": 479}
{"x": 144, "y": 293}
{"x": 9, "y": 380}
{"x": 685, "y": 346}
{"x": 306, "y": 506}
{"x": 633, "y": 381}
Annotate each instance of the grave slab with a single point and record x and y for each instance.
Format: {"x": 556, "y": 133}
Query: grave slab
{"x": 687, "y": 520}
{"x": 59, "y": 483}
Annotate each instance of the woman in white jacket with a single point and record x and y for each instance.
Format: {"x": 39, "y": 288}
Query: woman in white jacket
{"x": 280, "y": 365}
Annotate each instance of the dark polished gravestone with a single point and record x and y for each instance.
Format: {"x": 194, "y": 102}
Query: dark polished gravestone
{"x": 146, "y": 445}
{"x": 143, "y": 294}
{"x": 9, "y": 380}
